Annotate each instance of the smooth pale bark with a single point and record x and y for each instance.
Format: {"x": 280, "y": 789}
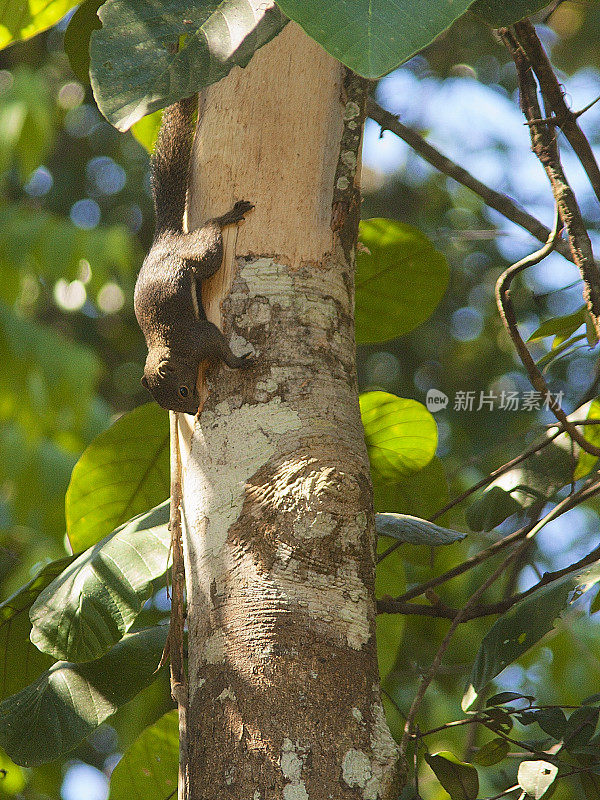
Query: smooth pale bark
{"x": 278, "y": 524}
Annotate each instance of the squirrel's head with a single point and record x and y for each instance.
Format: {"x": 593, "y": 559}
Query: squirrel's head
{"x": 172, "y": 383}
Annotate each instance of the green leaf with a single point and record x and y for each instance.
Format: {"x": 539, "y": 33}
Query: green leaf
{"x": 421, "y": 493}
{"x": 501, "y": 13}
{"x": 145, "y": 130}
{"x": 42, "y": 370}
{"x": 492, "y": 752}
{"x": 27, "y": 128}
{"x": 400, "y": 279}
{"x": 149, "y": 768}
{"x": 536, "y": 777}
{"x": 561, "y": 327}
{"x": 21, "y": 661}
{"x": 524, "y": 625}
{"x": 413, "y": 530}
{"x": 65, "y": 704}
{"x": 457, "y": 777}
{"x": 401, "y": 435}
{"x": 21, "y": 19}
{"x": 390, "y": 580}
{"x": 89, "y": 606}
{"x": 77, "y": 38}
{"x": 123, "y": 472}
{"x": 586, "y": 461}
{"x": 580, "y": 727}
{"x": 493, "y": 507}
{"x": 133, "y": 68}
{"x": 13, "y": 778}
{"x": 590, "y": 783}
{"x": 552, "y": 721}
{"x": 373, "y": 37}
{"x": 502, "y": 698}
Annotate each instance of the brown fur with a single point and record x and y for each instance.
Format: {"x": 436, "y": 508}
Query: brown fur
{"x": 168, "y": 290}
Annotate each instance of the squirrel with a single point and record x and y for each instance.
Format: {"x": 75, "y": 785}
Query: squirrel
{"x": 168, "y": 291}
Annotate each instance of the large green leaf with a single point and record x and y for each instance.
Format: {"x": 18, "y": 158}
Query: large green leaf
{"x": 401, "y": 434}
{"x": 390, "y": 580}
{"x": 89, "y": 606}
{"x": 149, "y": 768}
{"x": 499, "y": 13}
{"x": 134, "y": 71}
{"x": 123, "y": 472}
{"x": 421, "y": 493}
{"x": 523, "y": 626}
{"x": 493, "y": 507}
{"x": 21, "y": 661}
{"x": 65, "y": 704}
{"x": 21, "y": 19}
{"x": 400, "y": 279}
{"x": 372, "y": 37}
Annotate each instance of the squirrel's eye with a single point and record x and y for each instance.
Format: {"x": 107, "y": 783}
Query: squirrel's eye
{"x": 183, "y": 391}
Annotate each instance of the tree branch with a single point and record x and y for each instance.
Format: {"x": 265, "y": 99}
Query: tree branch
{"x": 552, "y": 92}
{"x": 439, "y": 609}
{"x": 545, "y": 147}
{"x": 499, "y": 202}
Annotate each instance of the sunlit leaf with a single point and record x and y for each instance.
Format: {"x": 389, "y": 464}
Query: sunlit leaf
{"x": 457, "y": 777}
{"x": 21, "y": 19}
{"x": 586, "y": 461}
{"x": 20, "y": 661}
{"x": 536, "y": 777}
{"x": 561, "y": 327}
{"x": 149, "y": 768}
{"x": 13, "y": 778}
{"x": 55, "y": 713}
{"x": 372, "y": 37}
{"x": 134, "y": 70}
{"x": 401, "y": 434}
{"x": 400, "y": 279}
{"x": 145, "y": 130}
{"x": 88, "y": 607}
{"x": 124, "y": 471}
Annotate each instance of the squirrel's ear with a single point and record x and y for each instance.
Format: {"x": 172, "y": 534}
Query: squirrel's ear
{"x": 144, "y": 382}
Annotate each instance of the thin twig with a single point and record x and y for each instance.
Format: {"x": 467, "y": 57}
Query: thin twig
{"x": 441, "y": 610}
{"x": 587, "y": 491}
{"x": 499, "y": 202}
{"x": 483, "y": 482}
{"x": 583, "y": 494}
{"x": 553, "y": 93}
{"x": 507, "y": 314}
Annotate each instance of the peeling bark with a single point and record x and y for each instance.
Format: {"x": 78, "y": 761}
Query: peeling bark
{"x": 277, "y": 506}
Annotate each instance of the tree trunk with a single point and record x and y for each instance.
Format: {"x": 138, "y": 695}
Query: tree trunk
{"x": 283, "y": 687}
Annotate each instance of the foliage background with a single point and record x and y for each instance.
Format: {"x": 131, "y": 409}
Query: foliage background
{"x": 75, "y": 220}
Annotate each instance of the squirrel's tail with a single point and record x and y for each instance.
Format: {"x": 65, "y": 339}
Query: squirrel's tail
{"x": 170, "y": 163}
